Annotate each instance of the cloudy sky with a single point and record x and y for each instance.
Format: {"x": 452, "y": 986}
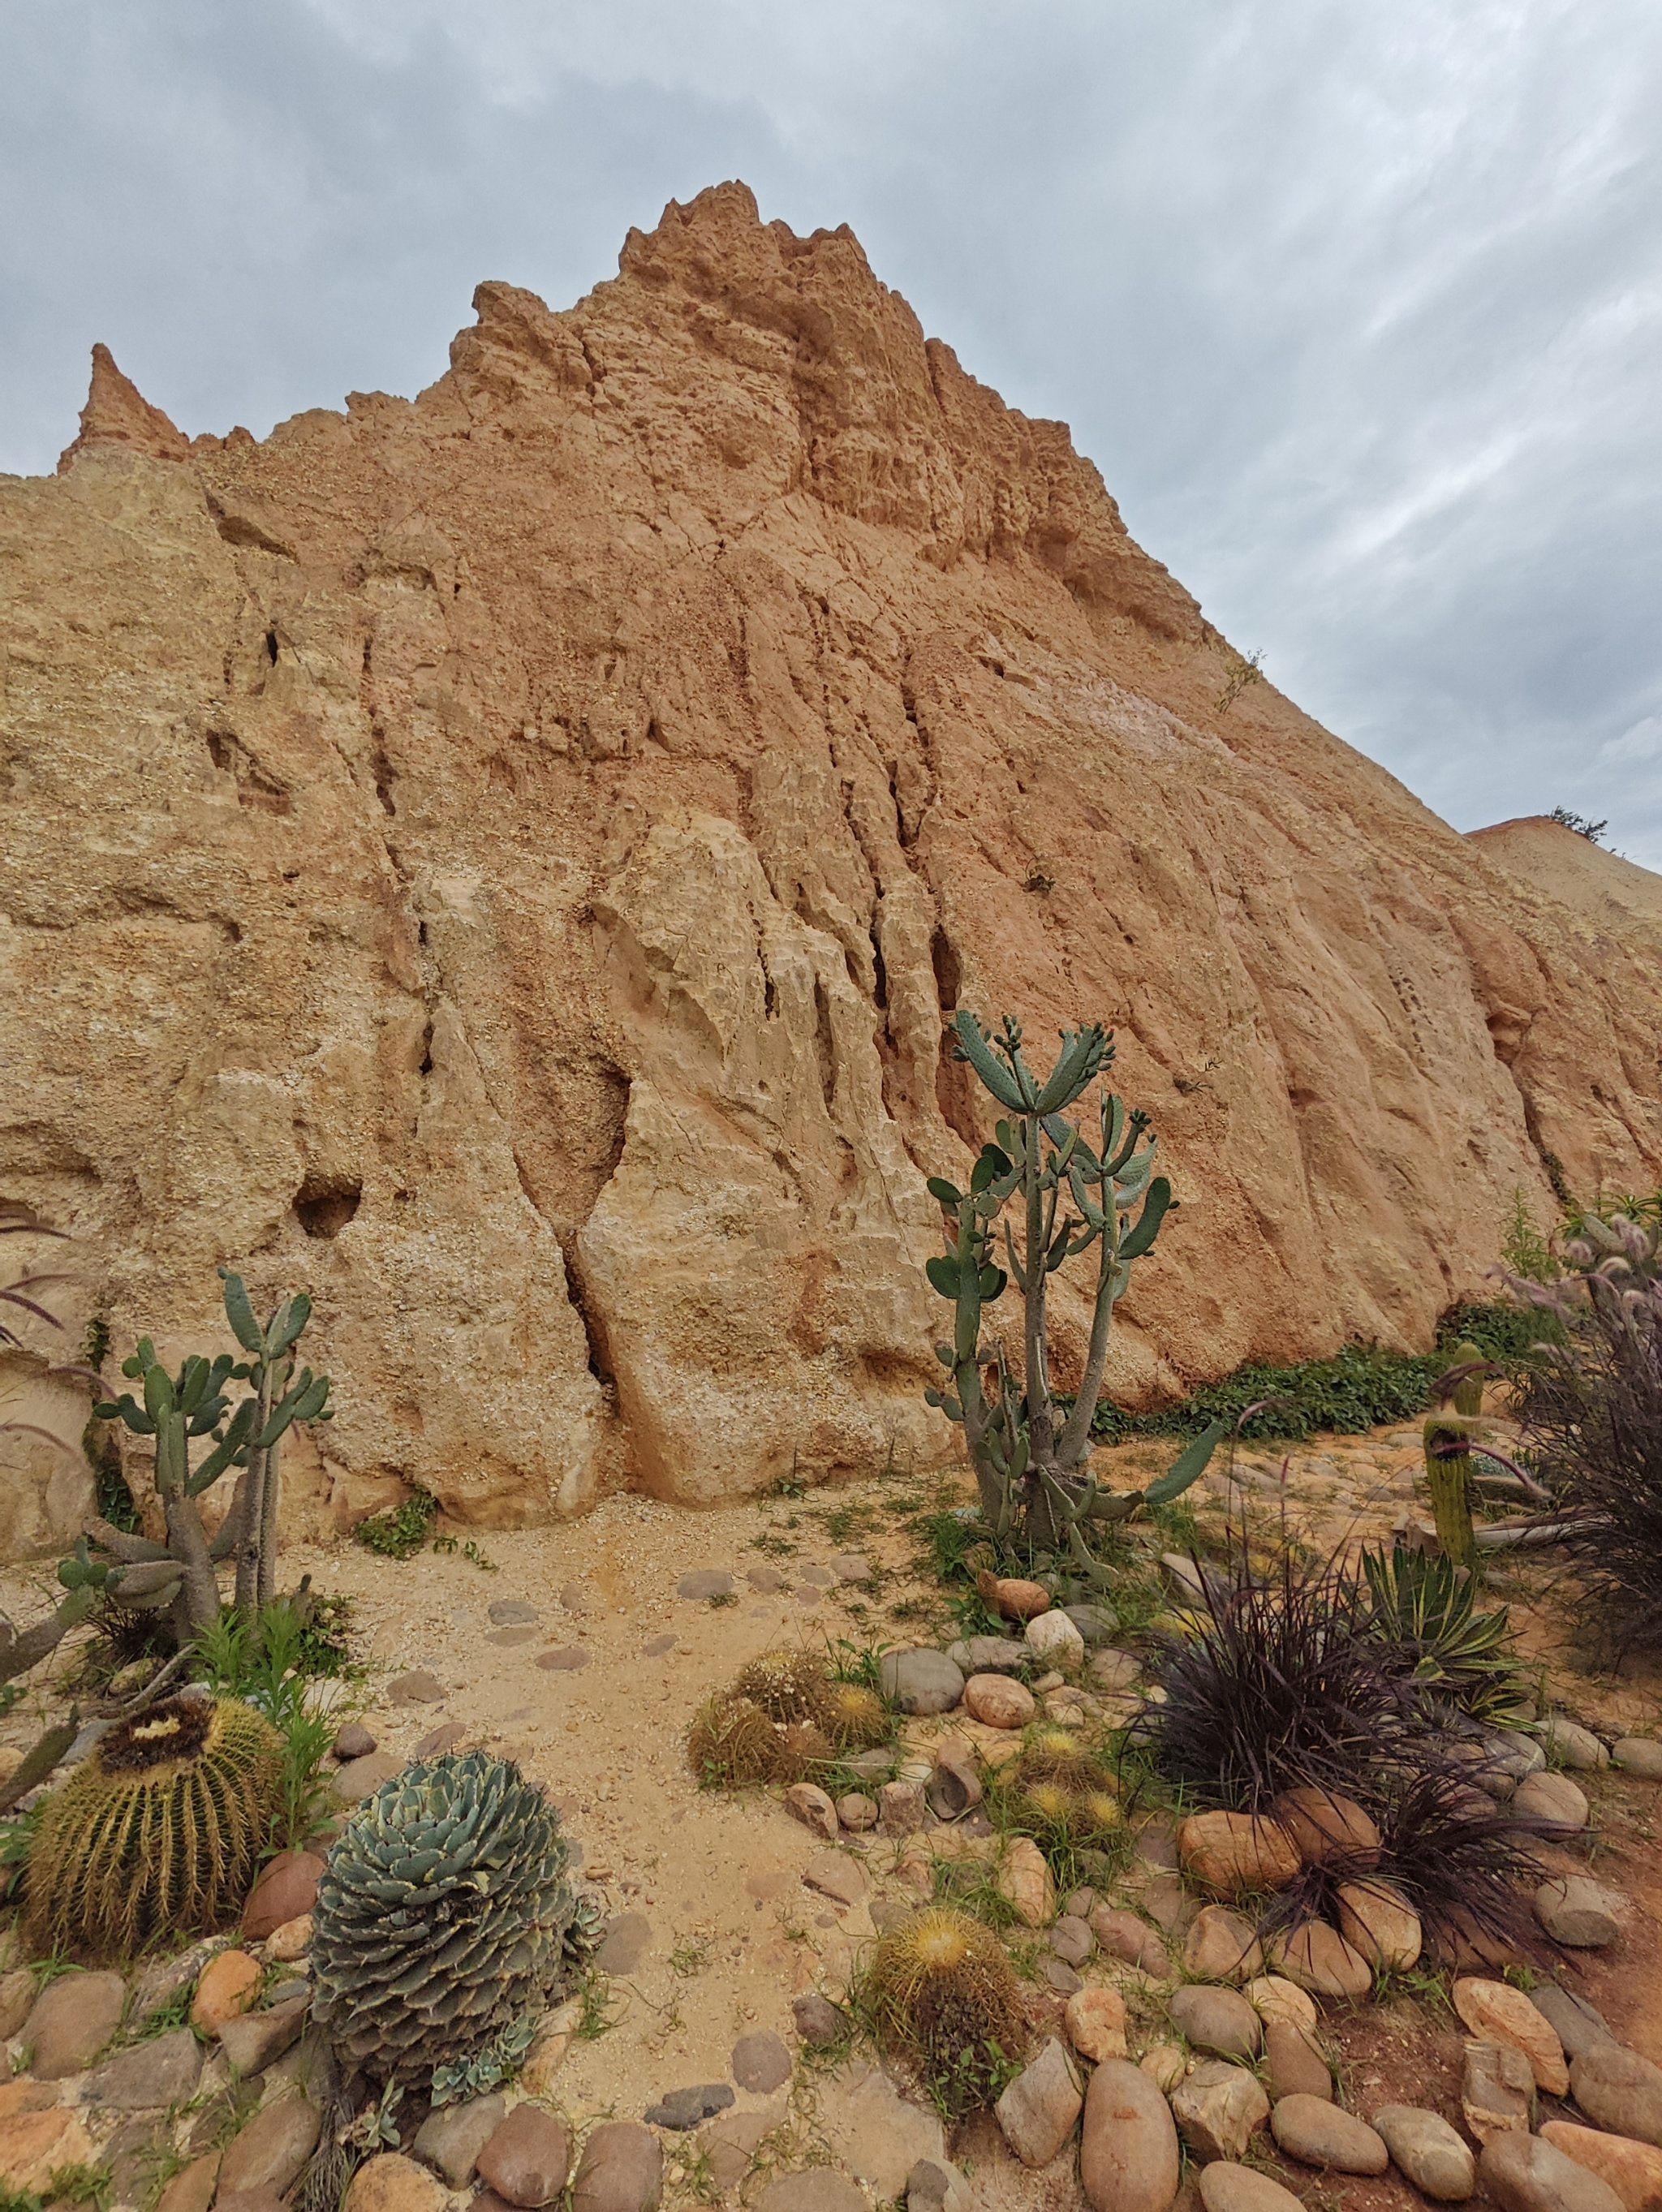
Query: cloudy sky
{"x": 1357, "y": 303}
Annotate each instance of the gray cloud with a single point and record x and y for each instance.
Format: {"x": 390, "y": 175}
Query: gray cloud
{"x": 1357, "y": 303}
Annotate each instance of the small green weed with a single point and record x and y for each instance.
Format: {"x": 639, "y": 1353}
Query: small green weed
{"x": 595, "y": 2007}
{"x": 401, "y": 1531}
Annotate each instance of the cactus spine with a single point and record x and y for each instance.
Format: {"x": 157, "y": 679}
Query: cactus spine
{"x": 1029, "y": 1458}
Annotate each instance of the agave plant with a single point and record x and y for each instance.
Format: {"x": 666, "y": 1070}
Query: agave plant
{"x": 1072, "y": 1198}
{"x": 443, "y": 1919}
{"x": 1423, "y": 1614}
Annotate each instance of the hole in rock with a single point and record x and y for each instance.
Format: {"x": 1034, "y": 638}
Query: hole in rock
{"x": 325, "y": 1204}
{"x": 949, "y": 970}
{"x": 271, "y": 647}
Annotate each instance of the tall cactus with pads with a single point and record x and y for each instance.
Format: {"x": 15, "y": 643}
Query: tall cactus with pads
{"x": 1070, "y": 1196}
{"x": 180, "y": 1410}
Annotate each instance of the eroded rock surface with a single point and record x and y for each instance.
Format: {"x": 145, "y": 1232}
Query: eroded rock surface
{"x": 502, "y": 859}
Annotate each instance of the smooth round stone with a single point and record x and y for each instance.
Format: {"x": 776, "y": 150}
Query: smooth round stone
{"x": 760, "y": 2062}
{"x": 1634, "y": 2170}
{"x": 1576, "y": 1912}
{"x": 1097, "y": 1624}
{"x": 1427, "y": 2151}
{"x": 1218, "y": 2020}
{"x": 1226, "y": 2187}
{"x": 921, "y": 1682}
{"x": 1295, "y": 2067}
{"x": 997, "y": 1702}
{"x": 1128, "y": 2156}
{"x": 1319, "y": 2133}
{"x": 1619, "y": 2091}
{"x": 1052, "y": 1635}
{"x": 1639, "y": 1754}
{"x": 1523, "y": 2173}
{"x": 987, "y": 1655}
{"x": 1071, "y": 1939}
{"x": 1553, "y": 1799}
{"x": 1577, "y": 1747}
{"x": 1221, "y": 1946}
{"x": 706, "y": 1583}
{"x": 1579, "y": 2025}
{"x": 856, "y": 1812}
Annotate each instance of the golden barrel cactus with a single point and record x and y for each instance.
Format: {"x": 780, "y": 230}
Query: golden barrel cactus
{"x": 158, "y": 1830}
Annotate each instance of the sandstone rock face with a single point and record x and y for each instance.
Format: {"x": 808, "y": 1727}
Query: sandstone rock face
{"x": 502, "y": 859}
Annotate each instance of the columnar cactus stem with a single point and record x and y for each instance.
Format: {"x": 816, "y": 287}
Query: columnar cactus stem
{"x": 1029, "y": 1461}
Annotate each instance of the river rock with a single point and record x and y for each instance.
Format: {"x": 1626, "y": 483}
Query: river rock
{"x": 1619, "y": 2091}
{"x": 1038, "y": 2109}
{"x": 1236, "y": 1854}
{"x": 1376, "y": 1921}
{"x": 452, "y": 2137}
{"x": 760, "y": 2062}
{"x": 1327, "y": 1829}
{"x": 286, "y": 1887}
{"x": 270, "y": 2150}
{"x": 1632, "y": 2169}
{"x": 71, "y": 2020}
{"x": 1123, "y": 1935}
{"x": 1579, "y": 2025}
{"x": 361, "y": 1777}
{"x": 1427, "y": 2151}
{"x": 1129, "y": 2159}
{"x": 1526, "y": 2173}
{"x": 1639, "y": 1754}
{"x": 1053, "y": 1638}
{"x": 1272, "y": 1996}
{"x": 1227, "y": 2187}
{"x": 1496, "y": 2013}
{"x": 1497, "y": 2090}
{"x": 1317, "y": 2132}
{"x": 389, "y": 2182}
{"x": 998, "y": 1702}
{"x": 253, "y": 2040}
{"x": 1553, "y": 1799}
{"x": 1577, "y": 1747}
{"x": 1221, "y": 1947}
{"x": 1097, "y": 1624}
{"x": 35, "y": 2145}
{"x": 1317, "y": 1958}
{"x": 902, "y": 1808}
{"x": 1218, "y": 2021}
{"x": 987, "y": 1655}
{"x": 163, "y": 2071}
{"x": 808, "y": 1803}
{"x": 1095, "y": 2021}
{"x": 17, "y": 1999}
{"x": 921, "y": 1682}
{"x": 1165, "y": 2065}
{"x": 621, "y": 2170}
{"x": 1295, "y": 2065}
{"x": 1024, "y": 1879}
{"x": 1218, "y": 2109}
{"x": 526, "y": 2157}
{"x": 1579, "y": 1913}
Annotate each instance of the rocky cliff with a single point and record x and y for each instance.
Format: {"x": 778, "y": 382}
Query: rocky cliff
{"x": 502, "y": 859}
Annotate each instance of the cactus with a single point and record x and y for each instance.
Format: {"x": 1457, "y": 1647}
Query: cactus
{"x": 178, "y": 1410}
{"x": 1448, "y": 1440}
{"x": 157, "y": 1833}
{"x": 941, "y": 1990}
{"x": 1448, "y": 1470}
{"x": 1029, "y": 1458}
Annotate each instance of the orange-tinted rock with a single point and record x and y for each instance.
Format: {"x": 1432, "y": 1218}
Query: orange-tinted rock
{"x": 228, "y": 1986}
{"x": 287, "y": 1888}
{"x": 1317, "y": 1958}
{"x": 1328, "y": 1830}
{"x": 1376, "y": 1921}
{"x": 1633, "y": 2170}
{"x": 731, "y": 662}
{"x": 1497, "y": 2013}
{"x": 1233, "y": 1854}
{"x": 118, "y": 414}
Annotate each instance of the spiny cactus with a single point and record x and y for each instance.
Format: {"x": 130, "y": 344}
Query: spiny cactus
{"x": 158, "y": 1831}
{"x": 442, "y": 1919}
{"x": 1028, "y": 1457}
{"x": 940, "y": 1990}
